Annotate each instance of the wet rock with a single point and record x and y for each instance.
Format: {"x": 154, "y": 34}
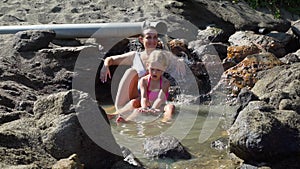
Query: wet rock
{"x": 33, "y": 40}
{"x": 165, "y": 147}
{"x": 211, "y": 65}
{"x": 261, "y": 133}
{"x": 201, "y": 76}
{"x": 220, "y": 144}
{"x": 130, "y": 158}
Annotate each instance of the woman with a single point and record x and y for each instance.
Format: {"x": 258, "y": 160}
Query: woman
{"x": 127, "y": 90}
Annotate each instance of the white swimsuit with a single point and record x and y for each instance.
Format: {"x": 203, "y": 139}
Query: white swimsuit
{"x": 138, "y": 65}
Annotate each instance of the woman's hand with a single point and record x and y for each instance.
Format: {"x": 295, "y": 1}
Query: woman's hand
{"x": 104, "y": 73}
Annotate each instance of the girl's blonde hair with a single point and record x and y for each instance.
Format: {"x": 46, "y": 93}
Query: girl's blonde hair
{"x": 160, "y": 57}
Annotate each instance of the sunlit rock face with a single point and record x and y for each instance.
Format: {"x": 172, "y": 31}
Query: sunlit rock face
{"x": 244, "y": 73}
{"x": 236, "y": 54}
{"x": 178, "y": 46}
{"x": 275, "y": 45}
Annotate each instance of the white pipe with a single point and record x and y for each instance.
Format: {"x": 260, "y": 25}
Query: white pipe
{"x": 95, "y": 30}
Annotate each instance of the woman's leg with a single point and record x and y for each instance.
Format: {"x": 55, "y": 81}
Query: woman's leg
{"x": 130, "y": 107}
{"x": 127, "y": 90}
{"x": 133, "y": 115}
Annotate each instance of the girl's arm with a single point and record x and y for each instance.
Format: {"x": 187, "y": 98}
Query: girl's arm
{"x": 143, "y": 89}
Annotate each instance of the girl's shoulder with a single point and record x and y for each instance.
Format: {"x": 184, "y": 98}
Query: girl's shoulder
{"x": 165, "y": 80}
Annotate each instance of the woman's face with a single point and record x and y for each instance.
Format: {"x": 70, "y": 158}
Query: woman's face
{"x": 150, "y": 39}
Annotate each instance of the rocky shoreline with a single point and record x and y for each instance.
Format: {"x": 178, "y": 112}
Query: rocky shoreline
{"x": 42, "y": 109}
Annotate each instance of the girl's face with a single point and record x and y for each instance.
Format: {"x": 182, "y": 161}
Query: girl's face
{"x": 150, "y": 39}
{"x": 155, "y": 73}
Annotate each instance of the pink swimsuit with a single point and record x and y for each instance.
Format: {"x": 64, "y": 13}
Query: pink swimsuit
{"x": 153, "y": 95}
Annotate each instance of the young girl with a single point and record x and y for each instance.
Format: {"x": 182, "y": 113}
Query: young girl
{"x": 154, "y": 89}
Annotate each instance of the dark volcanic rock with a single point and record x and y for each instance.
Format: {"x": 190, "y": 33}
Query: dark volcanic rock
{"x": 32, "y": 40}
{"x": 261, "y": 133}
{"x": 61, "y": 119}
{"x": 165, "y": 147}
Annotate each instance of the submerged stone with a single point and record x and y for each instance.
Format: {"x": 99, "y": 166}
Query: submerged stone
{"x": 165, "y": 147}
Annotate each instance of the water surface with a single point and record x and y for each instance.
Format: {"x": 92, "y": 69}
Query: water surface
{"x": 196, "y": 126}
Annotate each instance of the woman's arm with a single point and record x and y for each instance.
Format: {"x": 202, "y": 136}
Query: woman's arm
{"x": 123, "y": 59}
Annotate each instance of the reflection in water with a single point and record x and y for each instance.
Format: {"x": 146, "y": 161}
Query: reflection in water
{"x": 132, "y": 135}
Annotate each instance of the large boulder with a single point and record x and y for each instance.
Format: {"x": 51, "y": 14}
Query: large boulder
{"x": 33, "y": 40}
{"x": 268, "y": 129}
{"x": 280, "y": 87}
{"x": 272, "y": 43}
{"x": 244, "y": 74}
{"x": 262, "y": 134}
{"x": 228, "y": 16}
{"x": 165, "y": 147}
{"x": 20, "y": 145}
{"x": 61, "y": 118}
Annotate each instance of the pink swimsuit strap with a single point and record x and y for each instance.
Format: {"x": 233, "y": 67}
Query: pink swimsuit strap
{"x": 153, "y": 95}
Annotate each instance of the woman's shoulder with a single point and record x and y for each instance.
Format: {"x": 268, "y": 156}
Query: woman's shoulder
{"x": 130, "y": 53}
{"x": 127, "y": 54}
